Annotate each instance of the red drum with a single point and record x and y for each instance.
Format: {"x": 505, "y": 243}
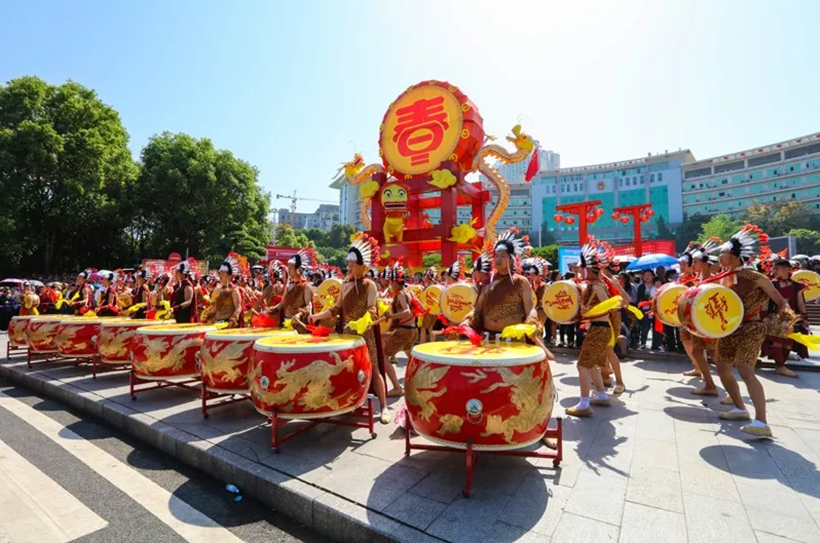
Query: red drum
{"x": 227, "y": 357}
{"x": 17, "y": 330}
{"x": 114, "y": 341}
{"x": 167, "y": 351}
{"x": 77, "y": 337}
{"x": 305, "y": 377}
{"x": 710, "y": 310}
{"x": 495, "y": 397}
{"x": 42, "y": 331}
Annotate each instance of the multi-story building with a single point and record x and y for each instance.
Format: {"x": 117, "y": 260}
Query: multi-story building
{"x": 655, "y": 179}
{"x": 324, "y": 218}
{"x": 348, "y": 202}
{"x": 514, "y": 173}
{"x": 780, "y": 172}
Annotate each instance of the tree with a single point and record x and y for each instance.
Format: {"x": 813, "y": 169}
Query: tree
{"x": 808, "y": 241}
{"x": 339, "y": 236}
{"x": 192, "y": 197}
{"x": 721, "y": 226}
{"x": 776, "y": 219}
{"x": 319, "y": 237}
{"x": 550, "y": 253}
{"x": 663, "y": 229}
{"x": 689, "y": 230}
{"x": 332, "y": 256}
{"x": 431, "y": 259}
{"x": 64, "y": 164}
{"x": 286, "y": 236}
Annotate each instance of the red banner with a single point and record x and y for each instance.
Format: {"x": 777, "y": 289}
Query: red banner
{"x": 659, "y": 246}
{"x": 282, "y": 254}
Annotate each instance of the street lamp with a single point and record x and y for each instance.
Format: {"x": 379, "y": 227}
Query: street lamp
{"x": 587, "y": 213}
{"x": 639, "y": 213}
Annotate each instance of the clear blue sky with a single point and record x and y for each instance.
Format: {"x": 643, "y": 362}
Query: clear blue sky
{"x": 292, "y": 87}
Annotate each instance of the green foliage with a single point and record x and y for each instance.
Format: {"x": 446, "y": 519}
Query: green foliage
{"x": 721, "y": 226}
{"x": 549, "y": 252}
{"x": 431, "y": 259}
{"x": 339, "y": 236}
{"x": 777, "y": 219}
{"x": 808, "y": 241}
{"x": 689, "y": 230}
{"x": 286, "y": 236}
{"x": 664, "y": 232}
{"x": 333, "y": 256}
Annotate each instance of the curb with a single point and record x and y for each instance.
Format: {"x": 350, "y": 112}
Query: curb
{"x": 326, "y": 513}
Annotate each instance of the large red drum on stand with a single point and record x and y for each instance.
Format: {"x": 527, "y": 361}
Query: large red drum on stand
{"x": 497, "y": 397}
{"x": 41, "y": 333}
{"x": 17, "y": 330}
{"x": 304, "y": 377}
{"x": 227, "y": 355}
{"x": 167, "y": 351}
{"x": 77, "y": 337}
{"x": 114, "y": 341}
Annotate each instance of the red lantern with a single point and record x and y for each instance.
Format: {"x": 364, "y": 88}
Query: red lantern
{"x": 624, "y": 220}
{"x": 650, "y": 212}
{"x": 558, "y": 217}
{"x": 570, "y": 220}
{"x": 591, "y": 217}
{"x": 644, "y": 219}
{"x": 616, "y": 216}
{"x": 599, "y": 211}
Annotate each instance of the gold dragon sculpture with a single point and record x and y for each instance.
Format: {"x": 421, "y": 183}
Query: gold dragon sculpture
{"x": 315, "y": 378}
{"x": 357, "y": 173}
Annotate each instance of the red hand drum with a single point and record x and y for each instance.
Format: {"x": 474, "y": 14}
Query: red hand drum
{"x": 42, "y": 331}
{"x": 665, "y": 303}
{"x": 227, "y": 356}
{"x": 305, "y": 377}
{"x": 496, "y": 397}
{"x": 116, "y": 335}
{"x": 167, "y": 350}
{"x": 710, "y": 310}
{"x": 17, "y": 330}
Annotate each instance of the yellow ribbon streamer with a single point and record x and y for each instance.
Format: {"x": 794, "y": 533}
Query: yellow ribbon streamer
{"x": 361, "y": 325}
{"x": 518, "y": 331}
{"x": 635, "y": 311}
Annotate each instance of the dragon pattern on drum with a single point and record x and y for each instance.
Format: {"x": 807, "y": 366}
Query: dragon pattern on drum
{"x": 497, "y": 397}
{"x": 167, "y": 351}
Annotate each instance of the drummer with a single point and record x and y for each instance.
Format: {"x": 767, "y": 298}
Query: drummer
{"x": 613, "y": 365}
{"x": 741, "y": 348}
{"x": 226, "y": 302}
{"x": 507, "y": 300}
{"x": 696, "y": 264}
{"x": 297, "y": 301}
{"x": 28, "y": 300}
{"x": 778, "y": 348}
{"x": 428, "y": 321}
{"x": 535, "y": 269}
{"x": 82, "y": 290}
{"x": 359, "y": 296}
{"x": 403, "y": 332}
{"x": 273, "y": 290}
{"x": 140, "y": 293}
{"x": 183, "y": 298}
{"x": 482, "y": 266}
{"x": 108, "y": 300}
{"x": 595, "y": 255}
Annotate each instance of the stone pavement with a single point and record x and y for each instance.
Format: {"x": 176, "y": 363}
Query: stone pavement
{"x": 658, "y": 466}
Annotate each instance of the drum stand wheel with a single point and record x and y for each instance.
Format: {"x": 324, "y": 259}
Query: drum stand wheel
{"x": 190, "y": 384}
{"x": 222, "y": 397}
{"x": 471, "y": 455}
{"x": 363, "y": 412}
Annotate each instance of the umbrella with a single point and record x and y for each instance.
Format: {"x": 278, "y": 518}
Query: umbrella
{"x": 625, "y": 258}
{"x": 800, "y": 257}
{"x": 652, "y": 261}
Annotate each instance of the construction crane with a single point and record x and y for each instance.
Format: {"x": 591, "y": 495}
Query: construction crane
{"x": 293, "y": 199}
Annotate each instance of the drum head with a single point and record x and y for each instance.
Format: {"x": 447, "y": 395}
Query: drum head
{"x": 329, "y": 288}
{"x": 457, "y": 302}
{"x": 665, "y": 305}
{"x": 431, "y": 299}
{"x": 562, "y": 301}
{"x": 811, "y": 281}
{"x": 464, "y": 353}
{"x": 717, "y": 311}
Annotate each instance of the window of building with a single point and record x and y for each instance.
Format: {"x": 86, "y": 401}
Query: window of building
{"x": 652, "y": 178}
{"x": 620, "y": 182}
{"x": 723, "y": 182}
{"x": 793, "y": 195}
{"x": 660, "y": 177}
{"x": 627, "y": 181}
{"x": 643, "y": 179}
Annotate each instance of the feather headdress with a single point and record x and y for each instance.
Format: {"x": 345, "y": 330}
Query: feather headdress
{"x": 706, "y": 252}
{"x": 230, "y": 265}
{"x": 482, "y": 264}
{"x": 303, "y": 259}
{"x": 456, "y": 271}
{"x": 534, "y": 266}
{"x": 744, "y": 243}
{"x": 596, "y": 254}
{"x": 364, "y": 250}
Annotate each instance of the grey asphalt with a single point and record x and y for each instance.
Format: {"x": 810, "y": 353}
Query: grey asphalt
{"x": 249, "y": 520}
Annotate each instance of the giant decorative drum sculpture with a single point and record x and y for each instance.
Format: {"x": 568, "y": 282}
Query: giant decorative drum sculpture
{"x": 167, "y": 353}
{"x": 310, "y": 377}
{"x": 710, "y": 310}
{"x": 227, "y": 355}
{"x": 665, "y": 303}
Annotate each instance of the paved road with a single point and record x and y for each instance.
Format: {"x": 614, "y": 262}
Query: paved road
{"x": 65, "y": 477}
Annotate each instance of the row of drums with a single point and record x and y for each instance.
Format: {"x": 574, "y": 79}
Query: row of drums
{"x": 495, "y": 396}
